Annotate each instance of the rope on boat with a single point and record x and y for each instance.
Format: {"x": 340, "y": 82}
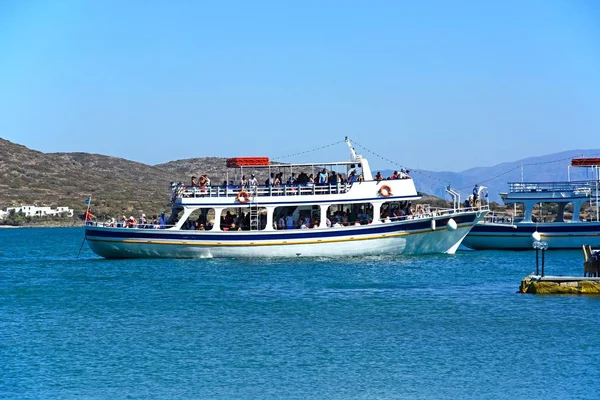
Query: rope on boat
{"x": 308, "y": 151}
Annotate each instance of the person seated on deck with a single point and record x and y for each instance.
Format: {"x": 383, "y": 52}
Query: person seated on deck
{"x": 131, "y": 222}
{"x": 303, "y": 225}
{"x": 419, "y": 211}
{"x": 311, "y": 179}
{"x": 270, "y": 180}
{"x": 345, "y": 218}
{"x": 202, "y": 182}
{"x": 328, "y": 222}
{"x": 360, "y": 178}
{"x": 378, "y": 176}
{"x": 281, "y": 223}
{"x": 395, "y": 175}
{"x": 278, "y": 179}
{"x": 307, "y": 220}
{"x": 333, "y": 178}
{"x": 201, "y": 227}
{"x": 244, "y": 182}
{"x": 353, "y": 177}
{"x": 194, "y": 182}
{"x": 292, "y": 180}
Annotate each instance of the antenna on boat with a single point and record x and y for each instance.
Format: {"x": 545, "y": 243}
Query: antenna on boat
{"x": 352, "y": 151}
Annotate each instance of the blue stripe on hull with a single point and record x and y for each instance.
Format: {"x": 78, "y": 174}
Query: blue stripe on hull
{"x": 411, "y": 226}
{"x": 572, "y": 228}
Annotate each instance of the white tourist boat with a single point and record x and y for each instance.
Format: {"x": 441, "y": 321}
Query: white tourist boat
{"x": 549, "y": 211}
{"x": 360, "y": 217}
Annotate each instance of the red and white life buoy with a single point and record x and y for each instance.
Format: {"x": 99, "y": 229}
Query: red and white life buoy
{"x": 385, "y": 191}
{"x": 243, "y": 196}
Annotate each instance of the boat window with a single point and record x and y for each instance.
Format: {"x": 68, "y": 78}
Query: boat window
{"x": 243, "y": 219}
{"x": 296, "y": 217}
{"x": 201, "y": 219}
{"x": 395, "y": 210}
{"x": 350, "y": 214}
{"x": 589, "y": 211}
{"x": 550, "y": 212}
{"x": 568, "y": 214}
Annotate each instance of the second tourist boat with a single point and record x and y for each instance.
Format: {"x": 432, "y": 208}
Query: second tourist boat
{"x": 563, "y": 214}
{"x": 351, "y": 214}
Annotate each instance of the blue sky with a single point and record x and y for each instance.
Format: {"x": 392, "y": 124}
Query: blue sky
{"x": 439, "y": 85}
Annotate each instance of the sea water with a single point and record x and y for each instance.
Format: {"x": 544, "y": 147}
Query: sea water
{"x": 418, "y": 327}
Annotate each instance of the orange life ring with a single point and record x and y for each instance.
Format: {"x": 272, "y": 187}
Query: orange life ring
{"x": 385, "y": 191}
{"x": 242, "y": 196}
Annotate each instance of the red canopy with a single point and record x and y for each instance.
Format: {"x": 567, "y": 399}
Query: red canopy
{"x": 247, "y": 162}
{"x": 585, "y": 162}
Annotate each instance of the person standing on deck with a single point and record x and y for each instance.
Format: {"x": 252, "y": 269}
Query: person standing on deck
{"x": 88, "y": 216}
{"x": 475, "y": 194}
{"x": 162, "y": 220}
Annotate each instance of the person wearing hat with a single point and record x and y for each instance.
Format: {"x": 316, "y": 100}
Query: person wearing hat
{"x": 142, "y": 220}
{"x": 162, "y": 220}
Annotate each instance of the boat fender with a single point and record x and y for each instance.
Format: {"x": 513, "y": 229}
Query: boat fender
{"x": 385, "y": 191}
{"x": 243, "y": 196}
{"x": 536, "y": 236}
{"x": 433, "y": 224}
{"x": 451, "y": 225}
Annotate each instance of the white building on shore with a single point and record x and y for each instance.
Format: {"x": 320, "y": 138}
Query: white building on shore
{"x": 35, "y": 211}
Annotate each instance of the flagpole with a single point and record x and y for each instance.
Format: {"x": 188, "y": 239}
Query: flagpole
{"x": 89, "y": 202}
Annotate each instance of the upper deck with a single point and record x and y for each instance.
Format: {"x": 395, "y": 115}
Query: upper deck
{"x": 399, "y": 189}
{"x": 550, "y": 191}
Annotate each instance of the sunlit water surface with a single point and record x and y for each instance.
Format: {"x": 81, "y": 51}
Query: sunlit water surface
{"x": 366, "y": 328}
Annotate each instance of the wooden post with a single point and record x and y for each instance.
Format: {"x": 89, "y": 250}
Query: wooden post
{"x": 543, "y": 253}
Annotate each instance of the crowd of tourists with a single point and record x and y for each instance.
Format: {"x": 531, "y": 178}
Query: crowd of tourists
{"x": 277, "y": 179}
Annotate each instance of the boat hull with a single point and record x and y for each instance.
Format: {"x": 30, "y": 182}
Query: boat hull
{"x": 558, "y": 235}
{"x": 415, "y": 236}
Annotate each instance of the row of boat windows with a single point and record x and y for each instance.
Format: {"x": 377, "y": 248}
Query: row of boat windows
{"x": 297, "y": 217}
{"x": 549, "y": 212}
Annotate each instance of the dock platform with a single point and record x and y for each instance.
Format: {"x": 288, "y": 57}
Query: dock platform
{"x": 579, "y": 285}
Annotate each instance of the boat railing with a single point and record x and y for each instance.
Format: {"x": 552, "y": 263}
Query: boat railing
{"x": 582, "y": 188}
{"x": 500, "y": 218}
{"x": 186, "y": 191}
{"x": 432, "y": 212}
{"x": 112, "y": 224}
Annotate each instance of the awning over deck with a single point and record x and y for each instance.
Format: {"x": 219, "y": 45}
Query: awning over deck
{"x": 585, "y": 162}
{"x": 247, "y": 162}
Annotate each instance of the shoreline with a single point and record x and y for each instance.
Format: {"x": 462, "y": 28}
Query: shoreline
{"x": 41, "y": 226}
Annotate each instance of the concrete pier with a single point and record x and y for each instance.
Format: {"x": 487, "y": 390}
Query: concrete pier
{"x": 537, "y": 284}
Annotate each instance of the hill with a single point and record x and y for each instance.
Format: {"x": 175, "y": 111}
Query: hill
{"x": 120, "y": 186}
{"x": 117, "y": 186}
